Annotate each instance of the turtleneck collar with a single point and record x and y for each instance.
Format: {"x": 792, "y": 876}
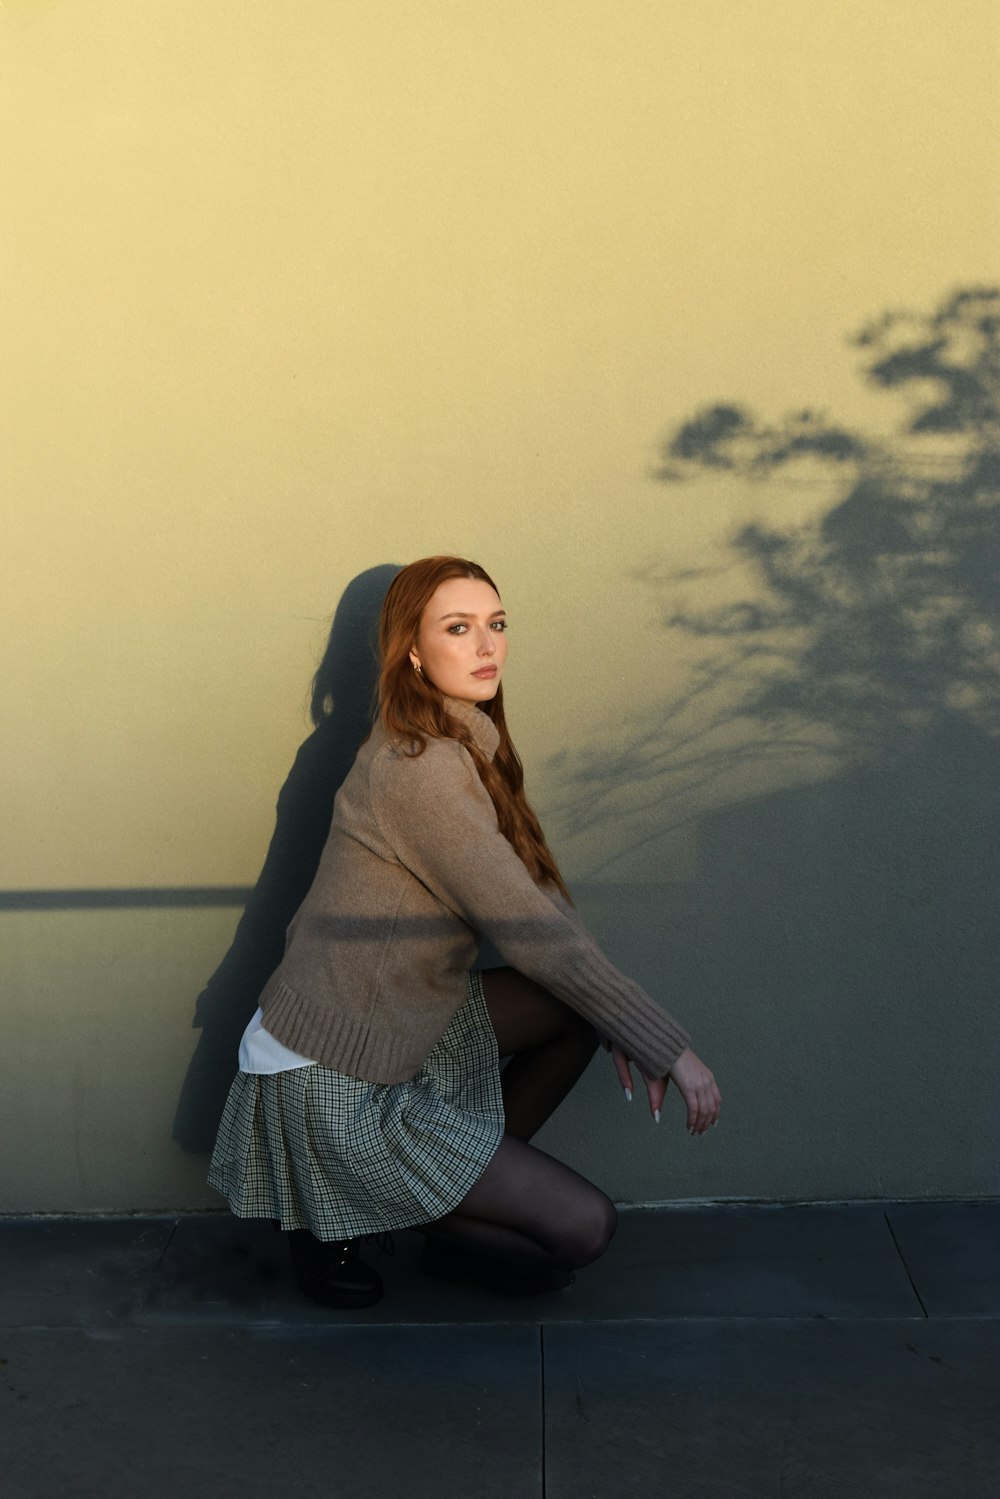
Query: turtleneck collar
{"x": 479, "y": 724}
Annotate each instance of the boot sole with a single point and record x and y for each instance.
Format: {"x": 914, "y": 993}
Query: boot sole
{"x": 342, "y": 1301}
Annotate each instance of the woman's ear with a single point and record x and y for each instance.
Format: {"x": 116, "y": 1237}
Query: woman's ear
{"x": 414, "y": 661}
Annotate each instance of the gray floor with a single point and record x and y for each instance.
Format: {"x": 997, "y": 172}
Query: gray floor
{"x": 798, "y": 1352}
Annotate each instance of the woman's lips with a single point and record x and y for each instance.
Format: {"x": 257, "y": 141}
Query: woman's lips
{"x": 485, "y": 672}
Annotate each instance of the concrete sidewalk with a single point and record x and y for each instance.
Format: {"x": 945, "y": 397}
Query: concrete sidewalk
{"x": 715, "y": 1353}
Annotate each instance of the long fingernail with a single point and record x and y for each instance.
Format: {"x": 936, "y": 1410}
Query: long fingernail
{"x": 628, "y": 1095}
{"x": 656, "y": 1116}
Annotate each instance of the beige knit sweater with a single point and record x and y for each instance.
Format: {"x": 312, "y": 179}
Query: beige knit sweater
{"x": 414, "y": 870}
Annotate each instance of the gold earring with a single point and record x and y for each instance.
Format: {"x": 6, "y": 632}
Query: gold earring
{"x": 417, "y": 668}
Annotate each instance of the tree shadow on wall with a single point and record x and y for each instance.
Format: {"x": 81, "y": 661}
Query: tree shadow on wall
{"x": 879, "y": 620}
{"x": 873, "y": 631}
{"x": 866, "y": 645}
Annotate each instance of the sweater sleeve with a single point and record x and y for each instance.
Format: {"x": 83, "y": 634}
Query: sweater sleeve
{"x": 438, "y": 819}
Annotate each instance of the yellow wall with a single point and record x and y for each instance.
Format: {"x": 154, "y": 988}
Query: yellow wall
{"x": 292, "y": 291}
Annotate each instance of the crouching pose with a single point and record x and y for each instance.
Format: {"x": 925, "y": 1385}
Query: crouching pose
{"x": 370, "y": 1095}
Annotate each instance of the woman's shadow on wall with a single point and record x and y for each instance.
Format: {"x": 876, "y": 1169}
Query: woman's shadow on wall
{"x": 342, "y": 706}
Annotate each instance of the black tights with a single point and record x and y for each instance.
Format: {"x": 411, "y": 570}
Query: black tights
{"x": 528, "y": 1210}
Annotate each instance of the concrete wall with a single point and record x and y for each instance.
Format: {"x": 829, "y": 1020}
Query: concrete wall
{"x": 290, "y": 294}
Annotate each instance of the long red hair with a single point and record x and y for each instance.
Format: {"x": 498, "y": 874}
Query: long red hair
{"x": 413, "y": 709}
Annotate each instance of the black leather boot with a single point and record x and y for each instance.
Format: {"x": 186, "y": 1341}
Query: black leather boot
{"x": 333, "y": 1273}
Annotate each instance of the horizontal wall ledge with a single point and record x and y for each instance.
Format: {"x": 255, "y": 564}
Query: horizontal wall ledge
{"x": 125, "y": 898}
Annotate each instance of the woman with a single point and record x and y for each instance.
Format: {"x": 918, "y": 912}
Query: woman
{"x": 369, "y": 1096}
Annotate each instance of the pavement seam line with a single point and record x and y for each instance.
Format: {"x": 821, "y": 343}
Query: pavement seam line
{"x": 541, "y": 1373}
{"x": 163, "y": 1252}
{"x": 144, "y": 1299}
{"x": 902, "y": 1257}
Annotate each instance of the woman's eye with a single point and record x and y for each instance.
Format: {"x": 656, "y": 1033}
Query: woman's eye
{"x": 461, "y": 627}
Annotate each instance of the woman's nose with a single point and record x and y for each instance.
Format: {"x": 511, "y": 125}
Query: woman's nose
{"x": 487, "y": 643}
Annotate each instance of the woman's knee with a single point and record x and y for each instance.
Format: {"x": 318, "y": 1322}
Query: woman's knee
{"x": 586, "y": 1237}
{"x": 588, "y": 1038}
{"x": 577, "y": 1033}
{"x": 525, "y": 1016}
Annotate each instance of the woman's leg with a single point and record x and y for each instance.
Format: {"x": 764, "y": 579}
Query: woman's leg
{"x": 531, "y": 1213}
{"x": 549, "y": 1046}
{"x": 527, "y": 1212}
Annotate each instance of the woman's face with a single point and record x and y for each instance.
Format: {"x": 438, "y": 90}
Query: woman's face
{"x": 461, "y": 646}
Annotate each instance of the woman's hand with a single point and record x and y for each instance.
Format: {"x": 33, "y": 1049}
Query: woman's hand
{"x": 690, "y": 1076}
{"x": 698, "y": 1090}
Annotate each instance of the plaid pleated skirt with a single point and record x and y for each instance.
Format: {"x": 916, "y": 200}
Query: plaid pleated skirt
{"x": 318, "y": 1149}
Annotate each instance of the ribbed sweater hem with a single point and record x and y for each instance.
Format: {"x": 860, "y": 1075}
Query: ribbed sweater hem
{"x": 334, "y": 1040}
